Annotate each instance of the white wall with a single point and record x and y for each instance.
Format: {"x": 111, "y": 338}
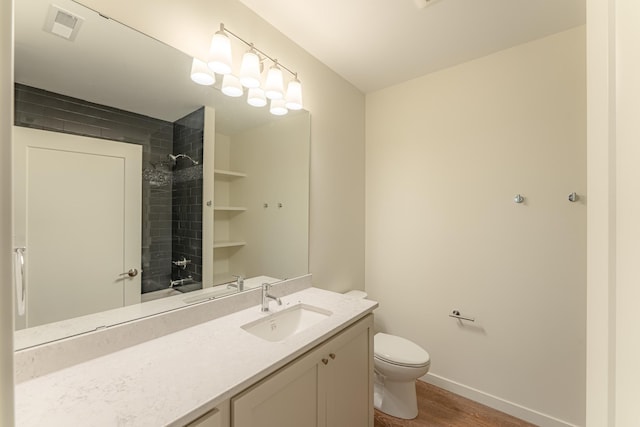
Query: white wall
{"x": 627, "y": 143}
{"x": 445, "y": 155}
{"x": 277, "y": 237}
{"x": 6, "y": 302}
{"x": 336, "y": 256}
{"x": 601, "y": 215}
{"x": 613, "y": 376}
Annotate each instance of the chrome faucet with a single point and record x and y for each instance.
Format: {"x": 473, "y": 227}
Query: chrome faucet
{"x": 238, "y": 285}
{"x": 266, "y": 297}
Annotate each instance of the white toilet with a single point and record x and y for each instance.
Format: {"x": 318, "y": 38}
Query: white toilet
{"x": 398, "y": 363}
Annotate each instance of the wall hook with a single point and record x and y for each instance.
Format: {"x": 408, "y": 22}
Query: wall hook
{"x": 518, "y": 198}
{"x": 573, "y": 197}
{"x": 456, "y": 315}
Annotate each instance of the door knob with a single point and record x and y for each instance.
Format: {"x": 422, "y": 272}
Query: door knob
{"x": 133, "y": 272}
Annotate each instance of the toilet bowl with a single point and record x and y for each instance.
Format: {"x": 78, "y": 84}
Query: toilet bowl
{"x": 398, "y": 363}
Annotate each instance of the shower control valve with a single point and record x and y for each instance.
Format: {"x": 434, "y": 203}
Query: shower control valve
{"x": 182, "y": 263}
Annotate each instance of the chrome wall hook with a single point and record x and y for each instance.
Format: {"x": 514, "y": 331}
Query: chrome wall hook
{"x": 456, "y": 315}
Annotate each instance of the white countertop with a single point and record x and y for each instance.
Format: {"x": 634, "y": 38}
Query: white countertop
{"x": 172, "y": 378}
{"x": 49, "y": 332}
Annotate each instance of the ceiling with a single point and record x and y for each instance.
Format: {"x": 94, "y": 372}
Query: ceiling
{"x": 378, "y": 43}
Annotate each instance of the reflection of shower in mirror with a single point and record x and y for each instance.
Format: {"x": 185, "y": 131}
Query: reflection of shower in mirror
{"x": 173, "y": 159}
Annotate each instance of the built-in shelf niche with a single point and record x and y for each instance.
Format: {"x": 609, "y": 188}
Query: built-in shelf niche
{"x": 228, "y": 206}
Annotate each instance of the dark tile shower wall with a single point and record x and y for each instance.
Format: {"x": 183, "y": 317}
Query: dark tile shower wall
{"x": 187, "y": 195}
{"x": 37, "y": 108}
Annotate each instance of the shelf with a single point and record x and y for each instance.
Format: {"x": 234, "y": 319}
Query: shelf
{"x": 228, "y": 174}
{"x": 228, "y": 244}
{"x": 229, "y": 208}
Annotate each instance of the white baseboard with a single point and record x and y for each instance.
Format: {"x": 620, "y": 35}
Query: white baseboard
{"x": 497, "y": 403}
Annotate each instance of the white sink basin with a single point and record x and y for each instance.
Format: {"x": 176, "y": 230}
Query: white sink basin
{"x": 283, "y": 324}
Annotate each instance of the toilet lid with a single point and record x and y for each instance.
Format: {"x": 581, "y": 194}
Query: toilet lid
{"x": 399, "y": 350}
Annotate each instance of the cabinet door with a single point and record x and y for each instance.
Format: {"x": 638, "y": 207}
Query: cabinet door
{"x": 331, "y": 386}
{"x": 288, "y": 398}
{"x": 212, "y": 418}
{"x": 349, "y": 385}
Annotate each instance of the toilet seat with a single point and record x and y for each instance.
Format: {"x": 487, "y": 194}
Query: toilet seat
{"x": 399, "y": 351}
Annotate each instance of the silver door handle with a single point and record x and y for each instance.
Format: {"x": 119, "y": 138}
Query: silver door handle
{"x": 20, "y": 283}
{"x": 133, "y": 272}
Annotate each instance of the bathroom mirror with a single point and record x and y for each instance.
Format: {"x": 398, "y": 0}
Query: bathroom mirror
{"x": 224, "y": 186}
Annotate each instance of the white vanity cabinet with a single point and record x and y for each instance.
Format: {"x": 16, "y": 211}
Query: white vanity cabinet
{"x": 331, "y": 385}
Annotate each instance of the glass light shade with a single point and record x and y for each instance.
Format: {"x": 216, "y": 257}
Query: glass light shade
{"x": 250, "y": 70}
{"x": 220, "y": 53}
{"x": 256, "y": 97}
{"x": 294, "y": 95}
{"x": 231, "y": 86}
{"x": 278, "y": 107}
{"x": 201, "y": 74}
{"x": 274, "y": 87}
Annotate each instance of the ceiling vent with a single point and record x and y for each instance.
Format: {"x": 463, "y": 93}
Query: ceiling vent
{"x": 62, "y": 23}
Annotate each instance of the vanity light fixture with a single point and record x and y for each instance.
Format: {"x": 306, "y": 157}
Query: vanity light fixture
{"x": 201, "y": 74}
{"x": 220, "y": 52}
{"x": 278, "y": 107}
{"x": 294, "y": 94}
{"x": 250, "y": 75}
{"x": 274, "y": 87}
{"x": 256, "y": 97}
{"x": 250, "y": 69}
{"x": 231, "y": 86}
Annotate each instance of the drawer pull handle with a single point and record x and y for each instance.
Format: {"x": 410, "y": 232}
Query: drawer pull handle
{"x": 332, "y": 355}
{"x": 325, "y": 361}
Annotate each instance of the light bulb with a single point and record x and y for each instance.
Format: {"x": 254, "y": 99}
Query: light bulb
{"x": 294, "y": 95}
{"x": 231, "y": 86}
{"x": 256, "y": 98}
{"x": 220, "y": 53}
{"x": 278, "y": 107}
{"x": 273, "y": 87}
{"x": 201, "y": 74}
{"x": 250, "y": 70}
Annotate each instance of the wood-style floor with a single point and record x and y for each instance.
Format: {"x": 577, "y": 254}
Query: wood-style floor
{"x": 440, "y": 408}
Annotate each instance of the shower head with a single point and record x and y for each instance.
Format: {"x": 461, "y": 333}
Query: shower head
{"x": 173, "y": 159}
